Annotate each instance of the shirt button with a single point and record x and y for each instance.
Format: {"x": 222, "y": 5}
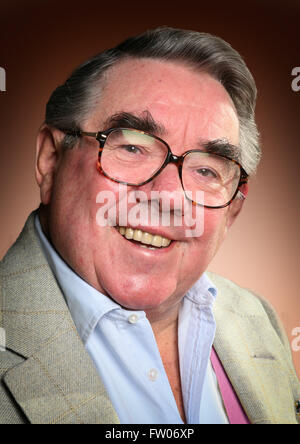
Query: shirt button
{"x": 133, "y": 319}
{"x": 153, "y": 374}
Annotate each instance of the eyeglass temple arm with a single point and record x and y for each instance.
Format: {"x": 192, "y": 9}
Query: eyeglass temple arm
{"x": 79, "y": 133}
{"x": 243, "y": 180}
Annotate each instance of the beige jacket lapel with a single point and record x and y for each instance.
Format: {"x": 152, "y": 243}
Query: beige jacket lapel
{"x": 57, "y": 382}
{"x": 254, "y": 356}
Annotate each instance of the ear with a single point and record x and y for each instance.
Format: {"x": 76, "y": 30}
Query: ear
{"x": 236, "y": 206}
{"x": 48, "y": 153}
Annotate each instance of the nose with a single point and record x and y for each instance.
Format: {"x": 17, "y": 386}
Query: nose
{"x": 166, "y": 188}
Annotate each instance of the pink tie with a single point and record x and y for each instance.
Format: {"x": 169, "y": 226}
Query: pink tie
{"x": 234, "y": 409}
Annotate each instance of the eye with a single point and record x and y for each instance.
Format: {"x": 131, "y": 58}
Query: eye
{"x": 206, "y": 172}
{"x": 130, "y": 149}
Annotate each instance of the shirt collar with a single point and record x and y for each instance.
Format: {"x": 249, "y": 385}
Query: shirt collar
{"x": 87, "y": 305}
{"x": 203, "y": 292}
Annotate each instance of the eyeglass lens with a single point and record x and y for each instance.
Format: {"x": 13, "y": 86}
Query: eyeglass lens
{"x": 134, "y": 157}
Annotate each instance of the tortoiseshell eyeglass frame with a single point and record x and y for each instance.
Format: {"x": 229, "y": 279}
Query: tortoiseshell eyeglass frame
{"x": 101, "y": 137}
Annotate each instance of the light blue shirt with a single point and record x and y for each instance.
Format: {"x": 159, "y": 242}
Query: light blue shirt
{"x": 122, "y": 346}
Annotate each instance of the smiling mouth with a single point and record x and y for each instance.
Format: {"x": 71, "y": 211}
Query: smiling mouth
{"x": 144, "y": 239}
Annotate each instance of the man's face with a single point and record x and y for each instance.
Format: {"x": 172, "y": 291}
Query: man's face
{"x": 190, "y": 106}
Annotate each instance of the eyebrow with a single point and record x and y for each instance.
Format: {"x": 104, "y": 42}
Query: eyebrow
{"x": 145, "y": 122}
{"x": 222, "y": 147}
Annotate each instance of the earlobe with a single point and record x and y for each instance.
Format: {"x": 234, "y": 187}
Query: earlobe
{"x": 47, "y": 156}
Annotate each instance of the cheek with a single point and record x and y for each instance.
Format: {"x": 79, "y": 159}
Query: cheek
{"x": 202, "y": 249}
{"x": 73, "y": 199}
{"x": 215, "y": 223}
{"x": 77, "y": 184}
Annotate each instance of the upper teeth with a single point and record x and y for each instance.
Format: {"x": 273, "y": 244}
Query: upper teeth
{"x": 144, "y": 237}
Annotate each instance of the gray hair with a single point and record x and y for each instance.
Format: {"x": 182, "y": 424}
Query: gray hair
{"x": 71, "y": 103}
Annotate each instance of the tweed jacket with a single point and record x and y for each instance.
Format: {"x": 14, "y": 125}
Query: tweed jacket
{"x": 47, "y": 376}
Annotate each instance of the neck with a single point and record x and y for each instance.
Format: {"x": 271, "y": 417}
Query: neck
{"x": 43, "y": 217}
{"x": 163, "y": 321}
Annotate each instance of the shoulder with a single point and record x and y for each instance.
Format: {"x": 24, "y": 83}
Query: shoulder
{"x": 25, "y": 253}
{"x": 232, "y": 295}
{"x": 233, "y": 292}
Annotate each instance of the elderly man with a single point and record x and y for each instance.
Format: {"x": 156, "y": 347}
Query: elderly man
{"x": 143, "y": 164}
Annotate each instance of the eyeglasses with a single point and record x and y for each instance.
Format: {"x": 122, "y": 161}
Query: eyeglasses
{"x": 134, "y": 158}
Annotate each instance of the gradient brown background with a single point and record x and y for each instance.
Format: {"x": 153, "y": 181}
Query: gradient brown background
{"x": 42, "y": 41}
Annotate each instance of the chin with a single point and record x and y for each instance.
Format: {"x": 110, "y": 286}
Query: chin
{"x": 133, "y": 295}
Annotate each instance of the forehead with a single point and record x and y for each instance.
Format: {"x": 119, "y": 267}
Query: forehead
{"x": 186, "y": 102}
